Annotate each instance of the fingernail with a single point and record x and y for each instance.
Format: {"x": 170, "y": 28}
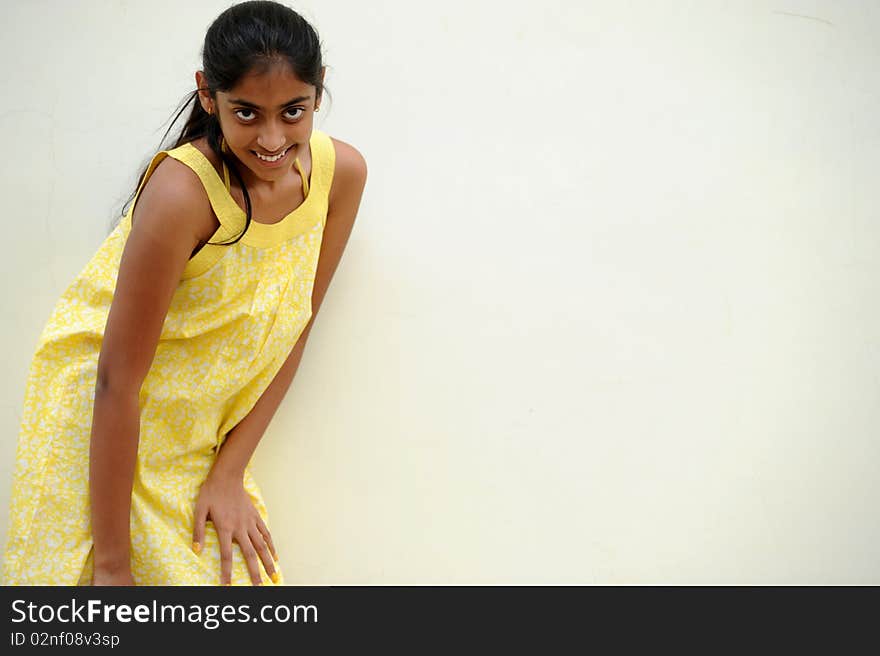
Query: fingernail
{"x": 276, "y": 577}
{"x": 197, "y": 547}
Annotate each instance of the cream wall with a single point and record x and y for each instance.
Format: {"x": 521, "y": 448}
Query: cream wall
{"x": 608, "y": 313}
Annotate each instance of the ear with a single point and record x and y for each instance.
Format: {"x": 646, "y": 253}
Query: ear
{"x": 204, "y": 95}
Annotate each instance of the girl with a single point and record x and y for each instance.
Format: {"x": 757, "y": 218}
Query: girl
{"x": 166, "y": 358}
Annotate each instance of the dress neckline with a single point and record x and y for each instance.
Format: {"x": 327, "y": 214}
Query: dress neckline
{"x": 234, "y": 207}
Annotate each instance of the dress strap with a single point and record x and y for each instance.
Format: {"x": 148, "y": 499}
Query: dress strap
{"x": 302, "y": 175}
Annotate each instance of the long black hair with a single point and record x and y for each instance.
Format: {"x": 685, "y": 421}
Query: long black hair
{"x": 247, "y": 37}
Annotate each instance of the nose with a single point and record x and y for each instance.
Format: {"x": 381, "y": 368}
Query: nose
{"x": 271, "y": 138}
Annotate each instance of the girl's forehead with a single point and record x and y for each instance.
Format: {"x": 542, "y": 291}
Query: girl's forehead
{"x": 270, "y": 85}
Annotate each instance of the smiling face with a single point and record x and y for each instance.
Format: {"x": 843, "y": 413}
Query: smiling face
{"x": 266, "y": 114}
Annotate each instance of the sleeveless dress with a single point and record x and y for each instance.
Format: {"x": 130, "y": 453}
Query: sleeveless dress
{"x": 235, "y": 316}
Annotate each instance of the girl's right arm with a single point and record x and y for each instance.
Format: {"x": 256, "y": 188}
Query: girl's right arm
{"x": 171, "y": 216}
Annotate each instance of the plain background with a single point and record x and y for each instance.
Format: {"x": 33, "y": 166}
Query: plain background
{"x": 609, "y": 310}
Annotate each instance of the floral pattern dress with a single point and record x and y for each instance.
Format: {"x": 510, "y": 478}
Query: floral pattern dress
{"x": 235, "y": 316}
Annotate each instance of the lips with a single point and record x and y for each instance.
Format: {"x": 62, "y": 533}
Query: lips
{"x": 272, "y": 158}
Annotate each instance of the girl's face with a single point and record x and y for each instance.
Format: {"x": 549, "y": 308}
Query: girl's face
{"x": 269, "y": 114}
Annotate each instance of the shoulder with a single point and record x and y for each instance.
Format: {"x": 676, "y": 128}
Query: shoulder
{"x": 348, "y": 158}
{"x": 174, "y": 199}
{"x": 173, "y": 181}
{"x": 349, "y": 174}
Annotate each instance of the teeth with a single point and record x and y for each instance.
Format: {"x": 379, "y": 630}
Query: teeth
{"x": 272, "y": 159}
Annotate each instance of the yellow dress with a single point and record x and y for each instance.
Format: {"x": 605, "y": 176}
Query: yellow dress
{"x": 234, "y": 318}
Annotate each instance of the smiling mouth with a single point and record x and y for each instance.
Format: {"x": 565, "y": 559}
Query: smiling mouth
{"x": 273, "y": 158}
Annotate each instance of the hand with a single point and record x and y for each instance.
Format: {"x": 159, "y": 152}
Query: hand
{"x": 227, "y": 504}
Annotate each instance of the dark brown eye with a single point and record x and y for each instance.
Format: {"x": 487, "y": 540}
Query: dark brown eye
{"x": 243, "y": 118}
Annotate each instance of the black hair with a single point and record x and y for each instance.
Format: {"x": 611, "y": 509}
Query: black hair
{"x": 246, "y": 38}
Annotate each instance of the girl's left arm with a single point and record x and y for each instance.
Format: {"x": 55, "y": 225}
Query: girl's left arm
{"x": 222, "y": 497}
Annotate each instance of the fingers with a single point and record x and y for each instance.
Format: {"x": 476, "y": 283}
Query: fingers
{"x": 255, "y": 544}
{"x": 263, "y": 550}
{"x": 266, "y": 537}
{"x": 201, "y": 515}
{"x": 225, "y": 557}
{"x": 250, "y": 557}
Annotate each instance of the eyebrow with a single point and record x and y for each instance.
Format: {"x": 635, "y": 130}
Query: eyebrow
{"x": 292, "y": 101}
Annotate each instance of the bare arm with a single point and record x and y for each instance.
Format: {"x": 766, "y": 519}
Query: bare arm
{"x": 167, "y": 223}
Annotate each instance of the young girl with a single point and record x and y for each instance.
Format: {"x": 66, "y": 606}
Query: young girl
{"x": 166, "y": 358}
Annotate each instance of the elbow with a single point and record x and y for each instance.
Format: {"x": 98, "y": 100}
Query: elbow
{"x": 110, "y": 383}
